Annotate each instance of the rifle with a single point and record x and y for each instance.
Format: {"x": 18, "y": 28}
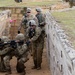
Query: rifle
{"x": 12, "y": 44}
{"x": 3, "y": 52}
{"x": 31, "y": 33}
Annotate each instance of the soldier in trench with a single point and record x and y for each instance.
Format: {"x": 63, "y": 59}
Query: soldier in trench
{"x": 21, "y": 54}
{"x": 6, "y": 55}
{"x": 2, "y": 40}
{"x": 15, "y": 48}
{"x": 41, "y": 20}
{"x": 26, "y": 18}
{"x": 24, "y": 23}
{"x": 36, "y": 37}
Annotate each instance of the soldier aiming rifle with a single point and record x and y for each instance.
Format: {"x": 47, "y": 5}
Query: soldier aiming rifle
{"x": 14, "y": 48}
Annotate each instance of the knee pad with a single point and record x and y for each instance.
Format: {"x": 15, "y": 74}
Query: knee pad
{"x": 20, "y": 67}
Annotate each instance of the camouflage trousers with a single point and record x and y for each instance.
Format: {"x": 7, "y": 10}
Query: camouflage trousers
{"x": 20, "y": 62}
{"x": 6, "y": 61}
{"x": 37, "y": 53}
{"x": 20, "y": 67}
{"x": 31, "y": 48}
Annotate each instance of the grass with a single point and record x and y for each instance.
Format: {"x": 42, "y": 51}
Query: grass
{"x": 67, "y": 22}
{"x": 29, "y": 3}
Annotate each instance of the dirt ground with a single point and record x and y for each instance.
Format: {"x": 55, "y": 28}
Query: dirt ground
{"x": 44, "y": 70}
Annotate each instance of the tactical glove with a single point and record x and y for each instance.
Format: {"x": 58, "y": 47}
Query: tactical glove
{"x": 18, "y": 31}
{"x": 28, "y": 42}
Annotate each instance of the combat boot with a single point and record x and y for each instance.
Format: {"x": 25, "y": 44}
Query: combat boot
{"x": 35, "y": 63}
{"x": 34, "y": 67}
{"x": 38, "y": 67}
{"x": 8, "y": 72}
{"x": 23, "y": 73}
{"x": 3, "y": 70}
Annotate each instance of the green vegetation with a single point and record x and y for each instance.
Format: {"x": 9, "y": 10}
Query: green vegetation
{"x": 67, "y": 22}
{"x": 29, "y": 3}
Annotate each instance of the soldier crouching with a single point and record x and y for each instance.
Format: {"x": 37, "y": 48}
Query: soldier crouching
{"x": 21, "y": 54}
{"x": 15, "y": 48}
{"x": 6, "y": 54}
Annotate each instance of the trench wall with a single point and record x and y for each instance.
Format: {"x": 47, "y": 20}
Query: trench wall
{"x": 61, "y": 54}
{"x": 5, "y": 22}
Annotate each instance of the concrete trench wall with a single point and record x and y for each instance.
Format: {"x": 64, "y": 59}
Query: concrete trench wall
{"x": 15, "y": 15}
{"x": 5, "y": 22}
{"x": 60, "y": 53}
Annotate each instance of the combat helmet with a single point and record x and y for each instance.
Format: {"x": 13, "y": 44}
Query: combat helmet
{"x": 32, "y": 22}
{"x": 28, "y": 9}
{"x": 20, "y": 37}
{"x": 38, "y": 9}
{"x": 5, "y": 38}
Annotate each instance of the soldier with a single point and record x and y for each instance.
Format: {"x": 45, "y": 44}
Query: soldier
{"x": 2, "y": 67}
{"x": 35, "y": 35}
{"x": 5, "y": 53}
{"x": 40, "y": 17}
{"x": 25, "y": 24}
{"x": 27, "y": 17}
{"x": 18, "y": 49}
{"x": 41, "y": 20}
{"x": 21, "y": 54}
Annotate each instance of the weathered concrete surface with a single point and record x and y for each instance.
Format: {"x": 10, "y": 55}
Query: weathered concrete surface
{"x": 60, "y": 52}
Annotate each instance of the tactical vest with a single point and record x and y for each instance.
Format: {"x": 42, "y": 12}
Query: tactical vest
{"x": 26, "y": 20}
{"x": 21, "y": 49}
{"x": 40, "y": 18}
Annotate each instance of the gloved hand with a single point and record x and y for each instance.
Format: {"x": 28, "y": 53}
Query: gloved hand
{"x": 27, "y": 42}
{"x": 13, "y": 44}
{"x": 18, "y": 31}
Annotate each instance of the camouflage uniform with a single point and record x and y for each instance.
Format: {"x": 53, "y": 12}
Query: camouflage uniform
{"x": 6, "y": 55}
{"x": 41, "y": 20}
{"x": 21, "y": 54}
{"x": 25, "y": 20}
{"x": 38, "y": 43}
{"x": 25, "y": 24}
{"x": 40, "y": 17}
{"x": 2, "y": 67}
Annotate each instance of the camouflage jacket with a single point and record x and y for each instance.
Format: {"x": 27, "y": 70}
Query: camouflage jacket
{"x": 21, "y": 50}
{"x": 27, "y": 19}
{"x": 38, "y": 35}
{"x": 41, "y": 19}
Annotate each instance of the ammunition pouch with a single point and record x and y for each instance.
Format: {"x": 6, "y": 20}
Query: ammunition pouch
{"x": 25, "y": 21}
